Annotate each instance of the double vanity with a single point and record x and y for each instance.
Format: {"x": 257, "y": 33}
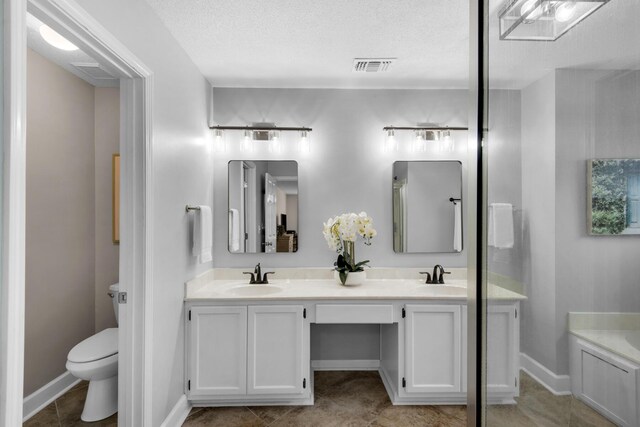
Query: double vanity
{"x": 251, "y": 343}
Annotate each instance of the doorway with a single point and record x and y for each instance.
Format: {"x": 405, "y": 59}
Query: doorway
{"x": 135, "y": 148}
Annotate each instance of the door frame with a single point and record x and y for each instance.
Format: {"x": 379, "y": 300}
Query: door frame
{"x": 136, "y": 207}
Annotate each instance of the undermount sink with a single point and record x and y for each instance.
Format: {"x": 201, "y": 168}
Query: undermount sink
{"x": 257, "y": 290}
{"x": 442, "y": 290}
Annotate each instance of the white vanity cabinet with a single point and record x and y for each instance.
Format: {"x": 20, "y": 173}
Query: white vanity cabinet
{"x": 433, "y": 342}
{"x": 502, "y": 351}
{"x": 256, "y": 350}
{"x": 247, "y": 354}
{"x": 217, "y": 360}
{"x": 276, "y": 350}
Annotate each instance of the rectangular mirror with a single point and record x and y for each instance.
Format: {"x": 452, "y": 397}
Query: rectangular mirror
{"x": 263, "y": 206}
{"x": 427, "y": 206}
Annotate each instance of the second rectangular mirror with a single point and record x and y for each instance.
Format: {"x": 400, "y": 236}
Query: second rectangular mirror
{"x": 263, "y": 206}
{"x": 427, "y": 206}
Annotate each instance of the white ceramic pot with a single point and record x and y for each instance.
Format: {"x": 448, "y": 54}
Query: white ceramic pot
{"x": 353, "y": 278}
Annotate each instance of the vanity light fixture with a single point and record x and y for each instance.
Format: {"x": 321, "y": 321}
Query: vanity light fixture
{"x": 220, "y": 144}
{"x": 446, "y": 141}
{"x": 304, "y": 145}
{"x": 419, "y": 141}
{"x": 274, "y": 141}
{"x": 262, "y": 132}
{"x": 246, "y": 145}
{"x": 390, "y": 142}
{"x": 55, "y": 39}
{"x": 543, "y": 20}
{"x": 423, "y": 135}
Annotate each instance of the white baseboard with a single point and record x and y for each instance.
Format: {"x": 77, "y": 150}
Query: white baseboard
{"x": 560, "y": 385}
{"x": 345, "y": 365}
{"x": 178, "y": 414}
{"x": 42, "y": 397}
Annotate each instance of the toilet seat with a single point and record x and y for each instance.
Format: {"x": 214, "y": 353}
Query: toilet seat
{"x": 99, "y": 346}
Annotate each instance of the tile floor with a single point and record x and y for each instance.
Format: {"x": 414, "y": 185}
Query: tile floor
{"x": 357, "y": 399}
{"x": 360, "y": 399}
{"x": 66, "y": 411}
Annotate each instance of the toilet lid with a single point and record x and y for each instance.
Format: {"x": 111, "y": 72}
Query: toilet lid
{"x": 96, "y": 347}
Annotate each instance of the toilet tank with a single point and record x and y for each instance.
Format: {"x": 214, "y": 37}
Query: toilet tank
{"x": 113, "y": 293}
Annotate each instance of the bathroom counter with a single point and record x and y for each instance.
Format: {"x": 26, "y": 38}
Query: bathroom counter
{"x": 327, "y": 289}
{"x": 251, "y": 344}
{"x": 618, "y": 333}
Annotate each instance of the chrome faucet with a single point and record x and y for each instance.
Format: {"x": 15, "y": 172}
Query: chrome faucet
{"x": 434, "y": 278}
{"x": 257, "y": 278}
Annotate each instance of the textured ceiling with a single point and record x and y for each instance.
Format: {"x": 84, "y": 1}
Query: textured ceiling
{"x": 63, "y": 58}
{"x": 312, "y": 43}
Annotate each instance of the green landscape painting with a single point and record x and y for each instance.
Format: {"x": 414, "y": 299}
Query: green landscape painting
{"x": 613, "y": 196}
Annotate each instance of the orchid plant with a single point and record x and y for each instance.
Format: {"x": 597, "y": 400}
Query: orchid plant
{"x": 341, "y": 233}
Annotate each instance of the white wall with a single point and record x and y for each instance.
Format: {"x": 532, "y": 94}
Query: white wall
{"x": 183, "y": 175}
{"x": 346, "y": 169}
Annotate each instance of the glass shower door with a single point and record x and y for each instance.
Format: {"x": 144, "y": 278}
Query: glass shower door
{"x": 562, "y": 249}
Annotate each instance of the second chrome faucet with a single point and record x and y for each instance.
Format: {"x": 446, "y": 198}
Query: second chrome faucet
{"x": 257, "y": 278}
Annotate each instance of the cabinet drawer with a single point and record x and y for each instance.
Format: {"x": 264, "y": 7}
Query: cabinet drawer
{"x": 354, "y": 313}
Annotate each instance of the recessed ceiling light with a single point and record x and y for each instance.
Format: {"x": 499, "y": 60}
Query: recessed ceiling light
{"x": 55, "y": 39}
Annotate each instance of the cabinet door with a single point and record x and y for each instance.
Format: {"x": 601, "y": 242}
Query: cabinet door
{"x": 218, "y": 351}
{"x": 433, "y": 348}
{"x": 276, "y": 348}
{"x": 502, "y": 349}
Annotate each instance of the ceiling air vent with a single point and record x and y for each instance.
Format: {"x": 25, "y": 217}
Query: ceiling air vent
{"x": 93, "y": 70}
{"x": 372, "y": 65}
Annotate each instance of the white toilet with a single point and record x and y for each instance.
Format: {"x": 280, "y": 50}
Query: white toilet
{"x": 96, "y": 360}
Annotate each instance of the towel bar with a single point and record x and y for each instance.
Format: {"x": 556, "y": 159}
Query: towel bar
{"x": 191, "y": 208}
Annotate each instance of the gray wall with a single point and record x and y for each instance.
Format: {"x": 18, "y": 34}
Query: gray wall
{"x": 597, "y": 116}
{"x": 73, "y": 130}
{"x": 181, "y": 164}
{"x": 538, "y": 205}
{"x": 569, "y": 117}
{"x": 505, "y": 181}
{"x": 107, "y": 142}
{"x": 60, "y": 219}
{"x": 346, "y": 169}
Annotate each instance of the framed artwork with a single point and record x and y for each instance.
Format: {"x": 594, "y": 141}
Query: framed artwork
{"x": 613, "y": 197}
{"x": 115, "y": 171}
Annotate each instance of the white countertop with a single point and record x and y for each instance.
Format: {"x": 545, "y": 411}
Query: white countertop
{"x": 623, "y": 342}
{"x": 617, "y": 332}
{"x": 204, "y": 288}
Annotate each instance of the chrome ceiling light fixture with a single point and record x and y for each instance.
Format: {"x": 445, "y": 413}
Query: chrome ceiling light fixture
{"x": 543, "y": 20}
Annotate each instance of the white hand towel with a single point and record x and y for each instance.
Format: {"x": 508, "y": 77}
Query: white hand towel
{"x": 457, "y": 227}
{"x": 234, "y": 230}
{"x": 202, "y": 234}
{"x": 500, "y": 227}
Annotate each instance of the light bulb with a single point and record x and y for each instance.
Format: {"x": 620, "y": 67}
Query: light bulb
{"x": 55, "y": 39}
{"x": 565, "y": 11}
{"x": 274, "y": 141}
{"x": 446, "y": 142}
{"x": 304, "y": 145}
{"x": 390, "y": 142}
{"x": 419, "y": 141}
{"x": 247, "y": 142}
{"x": 219, "y": 143}
{"x": 531, "y": 8}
